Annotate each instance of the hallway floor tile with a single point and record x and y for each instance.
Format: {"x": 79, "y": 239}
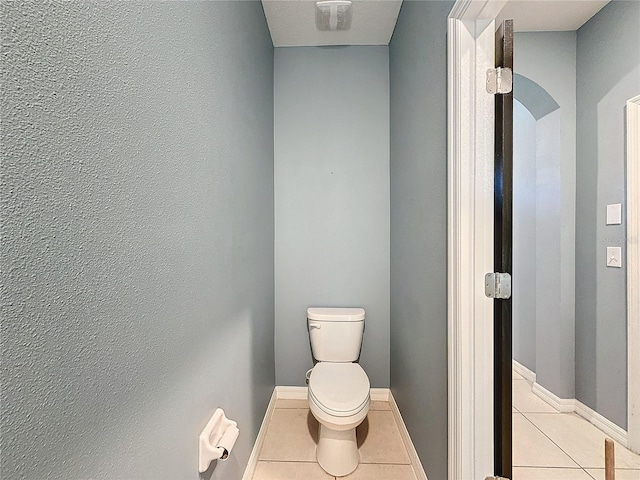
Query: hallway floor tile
{"x": 550, "y": 445}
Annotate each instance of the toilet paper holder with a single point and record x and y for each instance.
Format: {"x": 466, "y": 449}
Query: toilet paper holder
{"x": 216, "y": 440}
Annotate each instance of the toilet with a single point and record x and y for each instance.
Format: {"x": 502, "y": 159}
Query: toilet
{"x": 338, "y": 386}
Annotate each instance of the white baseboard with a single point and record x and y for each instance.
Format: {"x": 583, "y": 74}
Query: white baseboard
{"x": 605, "y": 425}
{"x": 563, "y": 405}
{"x": 524, "y": 371}
{"x": 253, "y": 458}
{"x": 300, "y": 393}
{"x": 568, "y": 405}
{"x": 291, "y": 393}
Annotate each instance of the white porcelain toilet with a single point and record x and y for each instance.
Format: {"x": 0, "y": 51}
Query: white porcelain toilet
{"x": 338, "y": 387}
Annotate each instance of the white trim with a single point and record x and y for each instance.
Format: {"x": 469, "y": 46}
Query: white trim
{"x": 406, "y": 439}
{"x": 262, "y": 433}
{"x": 470, "y": 239}
{"x": 633, "y": 272}
{"x": 605, "y": 425}
{"x": 300, "y": 393}
{"x": 291, "y": 393}
{"x": 380, "y": 395}
{"x": 562, "y": 405}
{"x": 569, "y": 405}
{"x": 528, "y": 375}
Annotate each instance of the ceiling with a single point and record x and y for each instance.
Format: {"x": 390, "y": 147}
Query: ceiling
{"x": 550, "y": 15}
{"x": 292, "y": 22}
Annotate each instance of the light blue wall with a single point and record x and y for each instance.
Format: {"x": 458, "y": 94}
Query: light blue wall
{"x": 549, "y": 60}
{"x": 524, "y": 235}
{"x": 331, "y": 198}
{"x": 137, "y": 235}
{"x": 418, "y": 73}
{"x": 608, "y": 69}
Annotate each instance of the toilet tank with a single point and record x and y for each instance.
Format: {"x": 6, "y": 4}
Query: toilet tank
{"x": 335, "y": 333}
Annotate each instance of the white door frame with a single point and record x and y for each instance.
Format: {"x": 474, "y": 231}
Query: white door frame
{"x": 633, "y": 273}
{"x": 471, "y": 43}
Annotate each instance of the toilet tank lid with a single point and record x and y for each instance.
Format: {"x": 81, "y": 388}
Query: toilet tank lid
{"x": 336, "y": 314}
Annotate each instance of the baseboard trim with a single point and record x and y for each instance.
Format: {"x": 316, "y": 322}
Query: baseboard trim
{"x": 562, "y": 405}
{"x": 380, "y": 395}
{"x": 604, "y": 424}
{"x": 406, "y": 439}
{"x": 300, "y": 393}
{"x": 569, "y": 405}
{"x": 291, "y": 393}
{"x": 524, "y": 371}
{"x": 252, "y": 463}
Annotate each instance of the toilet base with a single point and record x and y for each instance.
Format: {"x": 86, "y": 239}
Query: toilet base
{"x": 337, "y": 451}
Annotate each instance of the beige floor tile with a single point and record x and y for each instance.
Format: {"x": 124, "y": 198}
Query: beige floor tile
{"x": 527, "y": 401}
{"x": 291, "y": 436}
{"x": 289, "y": 403}
{"x": 527, "y": 473}
{"x": 370, "y": 471}
{"x": 379, "y": 405}
{"x": 581, "y": 440}
{"x": 516, "y": 376}
{"x": 531, "y": 448}
{"x": 621, "y": 474}
{"x": 290, "y": 471}
{"x": 379, "y": 439}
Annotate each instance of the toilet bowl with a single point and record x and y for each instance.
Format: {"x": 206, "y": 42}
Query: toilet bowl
{"x": 339, "y": 399}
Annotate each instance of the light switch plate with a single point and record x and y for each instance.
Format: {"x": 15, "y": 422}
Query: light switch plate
{"x": 614, "y": 257}
{"x": 614, "y": 214}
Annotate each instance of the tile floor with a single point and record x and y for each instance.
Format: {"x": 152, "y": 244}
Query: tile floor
{"x": 547, "y": 445}
{"x": 559, "y": 446}
{"x": 289, "y": 448}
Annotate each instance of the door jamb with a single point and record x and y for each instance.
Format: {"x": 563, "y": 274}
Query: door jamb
{"x": 470, "y": 238}
{"x": 633, "y": 273}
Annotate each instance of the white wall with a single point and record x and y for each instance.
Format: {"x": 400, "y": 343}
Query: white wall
{"x": 331, "y": 198}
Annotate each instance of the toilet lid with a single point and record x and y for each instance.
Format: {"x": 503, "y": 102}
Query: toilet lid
{"x": 339, "y": 387}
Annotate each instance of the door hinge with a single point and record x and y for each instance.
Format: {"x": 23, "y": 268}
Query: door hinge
{"x": 497, "y": 285}
{"x": 499, "y": 80}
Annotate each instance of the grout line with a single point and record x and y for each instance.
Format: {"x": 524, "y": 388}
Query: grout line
{"x": 561, "y": 449}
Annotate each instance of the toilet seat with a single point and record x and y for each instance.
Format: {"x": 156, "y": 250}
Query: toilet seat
{"x": 339, "y": 389}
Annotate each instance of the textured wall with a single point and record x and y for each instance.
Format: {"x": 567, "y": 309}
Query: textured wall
{"x": 418, "y": 72}
{"x": 607, "y": 43}
{"x": 137, "y": 235}
{"x": 332, "y": 198}
{"x": 549, "y": 60}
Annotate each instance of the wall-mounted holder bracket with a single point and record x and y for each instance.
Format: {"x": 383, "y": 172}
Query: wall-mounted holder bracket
{"x": 216, "y": 440}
